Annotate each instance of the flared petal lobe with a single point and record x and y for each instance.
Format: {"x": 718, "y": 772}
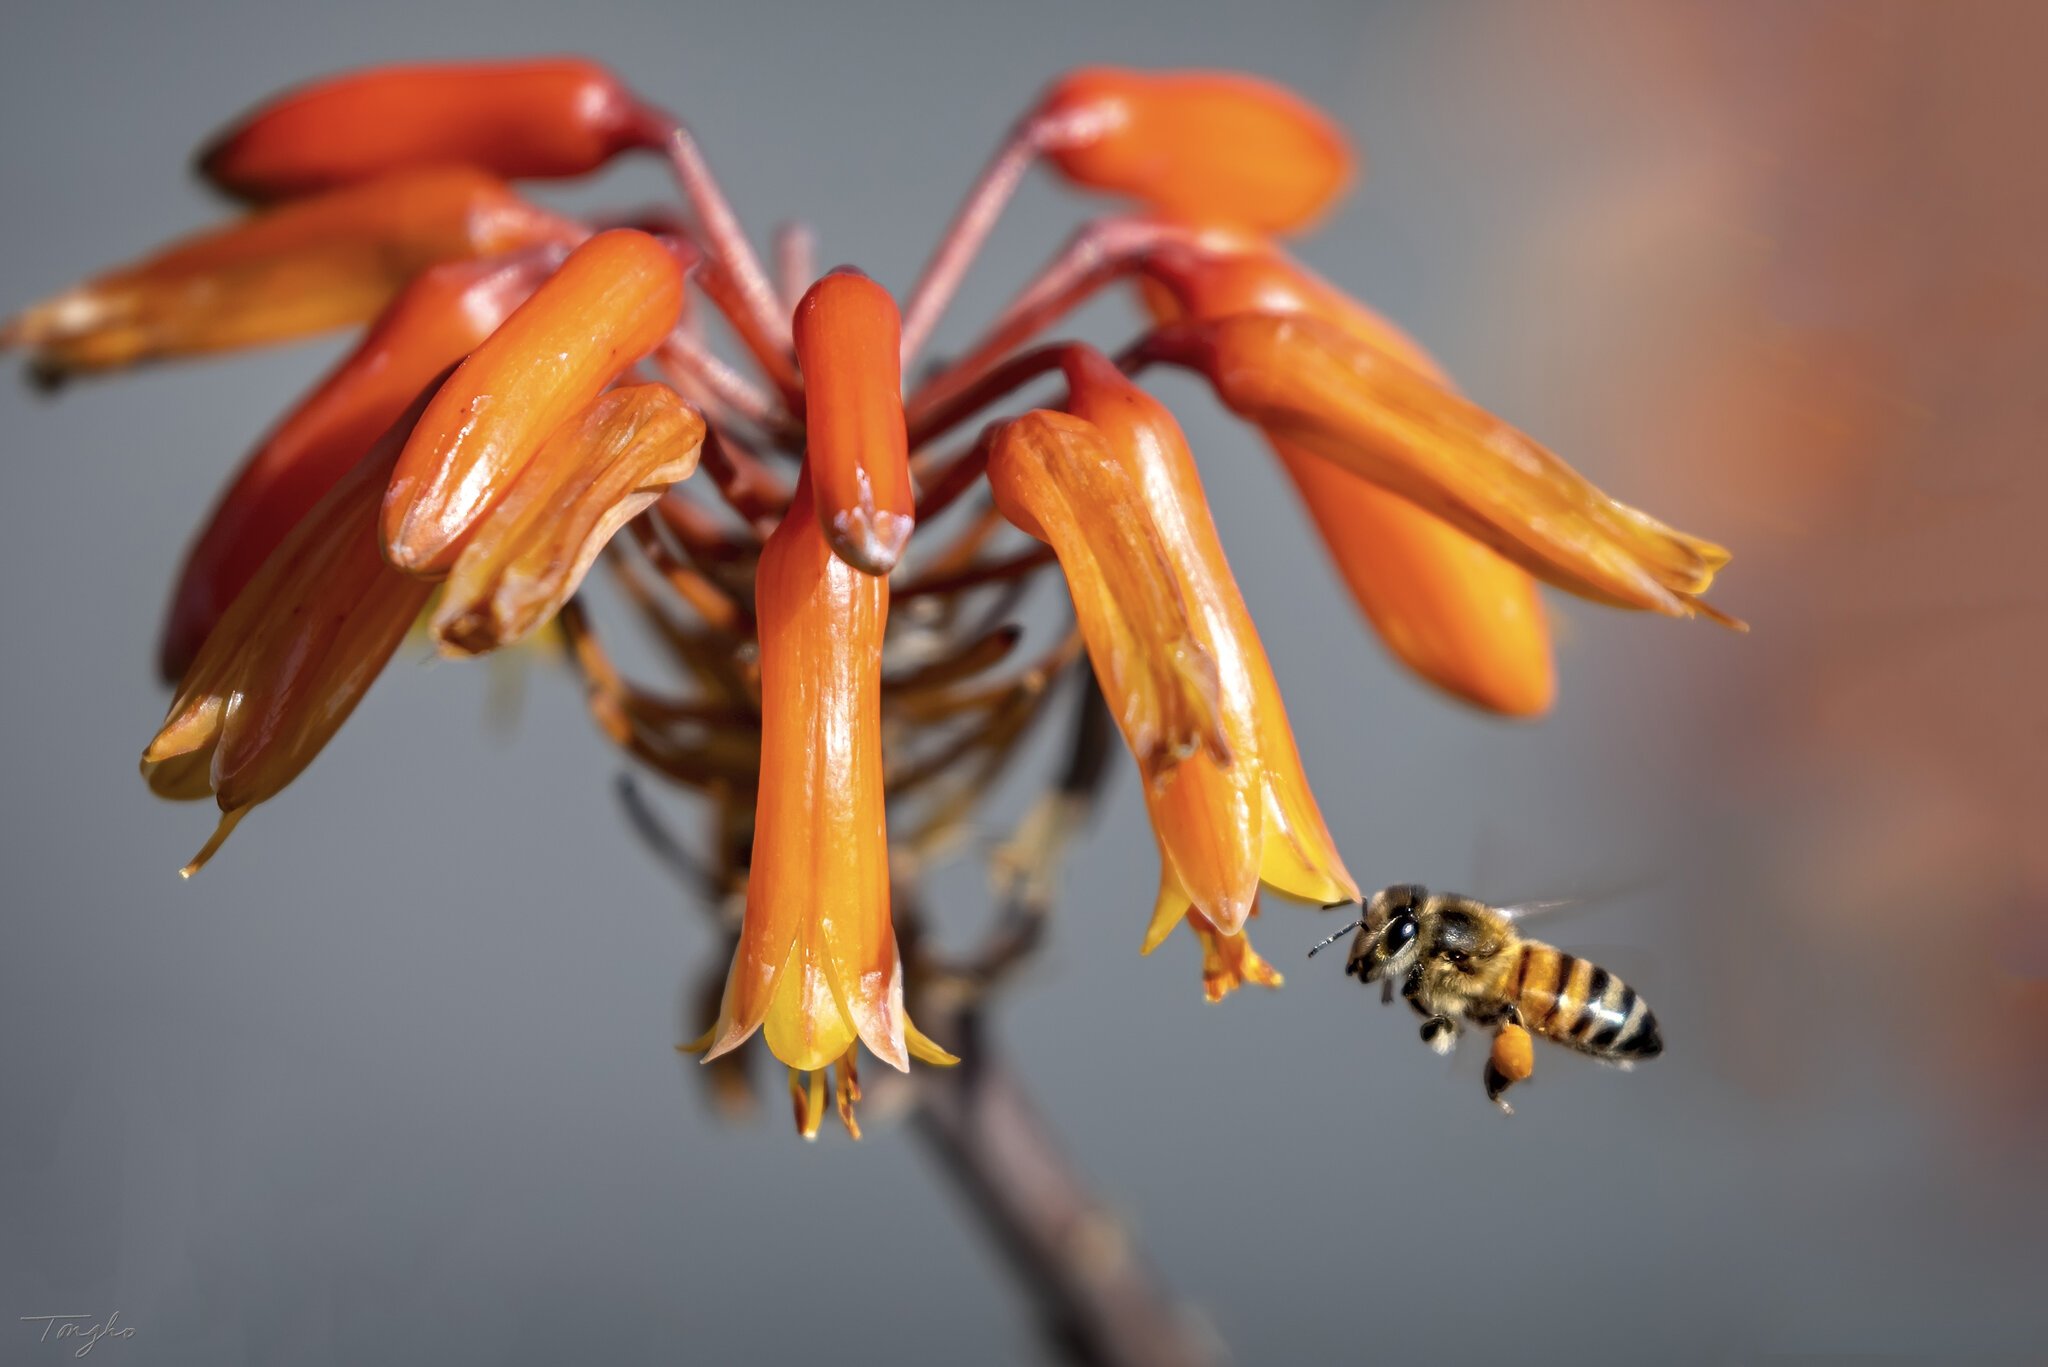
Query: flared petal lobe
{"x": 817, "y": 967}
{"x": 594, "y": 475}
{"x": 1055, "y": 477}
{"x": 611, "y": 303}
{"x": 1214, "y": 146}
{"x": 292, "y": 657}
{"x": 1223, "y": 828}
{"x": 848, "y": 337}
{"x": 301, "y": 268}
{"x": 1305, "y": 382}
{"x": 432, "y": 324}
{"x": 546, "y": 118}
{"x": 1451, "y": 609}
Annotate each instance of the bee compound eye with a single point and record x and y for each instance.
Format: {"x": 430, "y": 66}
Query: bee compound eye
{"x": 1400, "y": 933}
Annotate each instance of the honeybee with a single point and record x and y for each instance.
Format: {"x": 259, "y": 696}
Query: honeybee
{"x": 1457, "y": 957}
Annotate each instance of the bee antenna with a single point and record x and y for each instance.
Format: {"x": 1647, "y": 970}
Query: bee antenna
{"x": 1325, "y": 944}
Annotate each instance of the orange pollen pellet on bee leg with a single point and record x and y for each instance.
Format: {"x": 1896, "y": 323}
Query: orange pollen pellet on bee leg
{"x": 1513, "y": 1059}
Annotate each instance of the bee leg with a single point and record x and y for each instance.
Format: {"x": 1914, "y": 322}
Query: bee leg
{"x": 1511, "y": 1060}
{"x": 1497, "y": 1084}
{"x": 1440, "y": 1033}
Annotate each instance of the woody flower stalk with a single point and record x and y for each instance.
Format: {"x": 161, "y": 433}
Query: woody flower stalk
{"x": 828, "y": 564}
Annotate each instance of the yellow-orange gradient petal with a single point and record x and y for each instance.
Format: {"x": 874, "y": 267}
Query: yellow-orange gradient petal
{"x": 291, "y": 658}
{"x": 528, "y": 554}
{"x": 1307, "y": 382}
{"x": 1053, "y": 476}
{"x": 816, "y": 966}
{"x": 848, "y": 337}
{"x": 611, "y": 303}
{"x": 301, "y": 268}
{"x": 1214, "y": 145}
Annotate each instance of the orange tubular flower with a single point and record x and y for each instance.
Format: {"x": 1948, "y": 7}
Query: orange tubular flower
{"x": 1310, "y": 383}
{"x": 847, "y": 338}
{"x": 596, "y": 474}
{"x": 1224, "y": 828}
{"x": 549, "y": 118}
{"x": 817, "y": 967}
{"x": 287, "y": 272}
{"x": 292, "y": 657}
{"x": 1450, "y": 608}
{"x": 611, "y": 303}
{"x": 1055, "y": 477}
{"x": 1214, "y": 146}
{"x": 432, "y": 324}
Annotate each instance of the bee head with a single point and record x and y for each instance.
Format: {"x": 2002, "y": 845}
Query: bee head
{"x": 1386, "y": 945}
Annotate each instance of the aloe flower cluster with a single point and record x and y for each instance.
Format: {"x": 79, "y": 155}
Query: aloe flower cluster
{"x": 533, "y": 396}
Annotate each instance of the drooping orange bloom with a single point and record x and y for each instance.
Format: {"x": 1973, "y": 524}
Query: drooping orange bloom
{"x": 1224, "y": 828}
{"x": 1309, "y": 383}
{"x": 1452, "y": 609}
{"x": 817, "y": 967}
{"x": 847, "y": 336}
{"x": 547, "y": 118}
{"x": 444, "y": 313}
{"x": 592, "y": 477}
{"x": 298, "y": 269}
{"x": 611, "y": 303}
{"x": 1215, "y": 146}
{"x": 291, "y": 658}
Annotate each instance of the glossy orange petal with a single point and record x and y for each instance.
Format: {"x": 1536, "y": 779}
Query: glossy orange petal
{"x": 433, "y": 323}
{"x": 291, "y": 658}
{"x": 611, "y": 303}
{"x": 1307, "y": 382}
{"x": 304, "y": 267}
{"x": 1229, "y": 961}
{"x": 528, "y": 554}
{"x": 1222, "y": 828}
{"x": 1216, "y": 146}
{"x": 1449, "y": 608}
{"x": 816, "y": 965}
{"x": 1055, "y": 477}
{"x": 547, "y": 117}
{"x": 848, "y": 337}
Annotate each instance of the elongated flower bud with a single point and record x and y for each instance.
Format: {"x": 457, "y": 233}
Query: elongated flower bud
{"x": 610, "y": 304}
{"x": 597, "y": 473}
{"x": 1451, "y": 609}
{"x": 1054, "y": 476}
{"x": 551, "y": 117}
{"x": 1305, "y": 382}
{"x": 1223, "y": 828}
{"x": 430, "y": 326}
{"x": 301, "y": 268}
{"x": 817, "y": 966}
{"x": 291, "y": 658}
{"x": 1215, "y": 146}
{"x": 847, "y": 340}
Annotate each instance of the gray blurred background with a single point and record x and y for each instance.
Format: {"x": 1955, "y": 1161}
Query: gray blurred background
{"x": 393, "y": 1080}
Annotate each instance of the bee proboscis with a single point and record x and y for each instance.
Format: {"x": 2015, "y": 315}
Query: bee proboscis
{"x": 1456, "y": 958}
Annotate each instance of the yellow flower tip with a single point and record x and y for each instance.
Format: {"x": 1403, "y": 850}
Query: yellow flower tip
{"x": 1229, "y": 961}
{"x": 924, "y": 1049}
{"x": 807, "y": 1099}
{"x": 228, "y": 821}
{"x": 1167, "y": 912}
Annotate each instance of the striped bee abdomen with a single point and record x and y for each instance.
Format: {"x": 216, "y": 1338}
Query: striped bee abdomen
{"x": 1581, "y": 1005}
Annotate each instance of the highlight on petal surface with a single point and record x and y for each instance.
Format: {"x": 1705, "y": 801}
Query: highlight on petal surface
{"x": 292, "y": 657}
{"x": 1054, "y": 476}
{"x": 1223, "y": 829}
{"x": 611, "y": 303}
{"x": 433, "y": 323}
{"x": 1216, "y": 146}
{"x": 594, "y": 475}
{"x": 298, "y": 269}
{"x": 546, "y": 117}
{"x": 848, "y": 337}
{"x": 1451, "y": 609}
{"x": 1306, "y": 382}
{"x": 817, "y": 968}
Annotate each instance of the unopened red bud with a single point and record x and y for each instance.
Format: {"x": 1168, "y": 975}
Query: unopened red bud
{"x": 848, "y": 337}
{"x": 547, "y": 118}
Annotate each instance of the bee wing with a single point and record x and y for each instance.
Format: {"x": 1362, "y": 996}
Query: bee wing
{"x": 1519, "y": 912}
